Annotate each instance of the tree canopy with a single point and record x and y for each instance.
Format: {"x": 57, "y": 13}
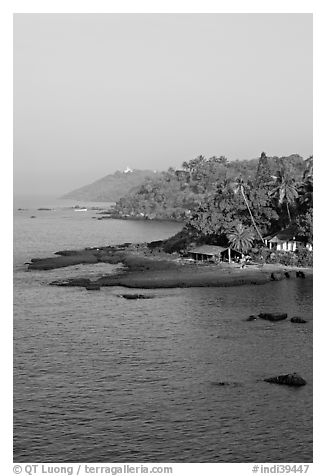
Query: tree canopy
{"x": 272, "y": 193}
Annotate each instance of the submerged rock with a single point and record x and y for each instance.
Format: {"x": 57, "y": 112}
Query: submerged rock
{"x": 293, "y": 380}
{"x": 136, "y": 296}
{"x": 268, "y": 316}
{"x": 298, "y": 320}
{"x": 300, "y": 274}
{"x": 225, "y": 384}
{"x": 252, "y": 318}
{"x": 93, "y": 287}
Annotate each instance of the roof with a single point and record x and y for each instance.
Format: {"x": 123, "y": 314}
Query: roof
{"x": 288, "y": 234}
{"x": 275, "y": 239}
{"x": 208, "y": 250}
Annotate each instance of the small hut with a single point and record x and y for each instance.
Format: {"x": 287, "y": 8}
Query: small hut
{"x": 213, "y": 253}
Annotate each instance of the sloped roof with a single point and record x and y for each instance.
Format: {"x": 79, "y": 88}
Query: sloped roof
{"x": 288, "y": 234}
{"x": 275, "y": 239}
{"x": 208, "y": 250}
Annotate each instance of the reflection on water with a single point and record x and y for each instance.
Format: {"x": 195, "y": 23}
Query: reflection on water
{"x": 100, "y": 378}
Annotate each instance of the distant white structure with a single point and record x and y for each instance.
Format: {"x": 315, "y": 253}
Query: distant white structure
{"x": 127, "y": 170}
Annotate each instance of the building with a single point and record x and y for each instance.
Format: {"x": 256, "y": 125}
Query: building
{"x": 127, "y": 170}
{"x": 286, "y": 240}
{"x": 213, "y": 253}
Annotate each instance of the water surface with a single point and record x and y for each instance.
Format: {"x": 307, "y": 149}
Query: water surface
{"x": 101, "y": 379}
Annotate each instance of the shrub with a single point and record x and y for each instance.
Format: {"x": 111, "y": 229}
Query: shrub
{"x": 286, "y": 258}
{"x": 304, "y": 257}
{"x": 301, "y": 257}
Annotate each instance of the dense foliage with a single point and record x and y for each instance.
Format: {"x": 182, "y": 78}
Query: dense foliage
{"x": 219, "y": 200}
{"x": 267, "y": 204}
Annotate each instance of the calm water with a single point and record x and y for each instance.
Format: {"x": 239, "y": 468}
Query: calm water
{"x": 101, "y": 379}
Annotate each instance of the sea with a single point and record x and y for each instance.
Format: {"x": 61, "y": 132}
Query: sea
{"x": 176, "y": 378}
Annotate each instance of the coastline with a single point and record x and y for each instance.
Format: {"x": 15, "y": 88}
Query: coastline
{"x": 145, "y": 269}
{"x": 194, "y": 276}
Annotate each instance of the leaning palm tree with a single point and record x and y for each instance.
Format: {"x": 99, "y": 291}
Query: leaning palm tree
{"x": 241, "y": 238}
{"x": 239, "y": 187}
{"x": 285, "y": 189}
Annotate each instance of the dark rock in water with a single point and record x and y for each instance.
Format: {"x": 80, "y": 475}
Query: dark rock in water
{"x": 293, "y": 380}
{"x": 93, "y": 287}
{"x": 289, "y": 274}
{"x": 252, "y": 318}
{"x": 33, "y": 216}
{"x": 272, "y": 317}
{"x": 60, "y": 283}
{"x": 277, "y": 276}
{"x": 298, "y": 320}
{"x": 225, "y": 384}
{"x": 136, "y": 296}
{"x": 300, "y": 274}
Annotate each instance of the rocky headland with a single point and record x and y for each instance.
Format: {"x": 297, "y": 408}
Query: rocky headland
{"x": 149, "y": 269}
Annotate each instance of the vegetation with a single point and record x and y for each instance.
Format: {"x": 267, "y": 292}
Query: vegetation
{"x": 220, "y": 201}
{"x": 241, "y": 238}
{"x": 241, "y": 209}
{"x": 285, "y": 189}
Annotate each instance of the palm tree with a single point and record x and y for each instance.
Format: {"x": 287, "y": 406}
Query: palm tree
{"x": 285, "y": 189}
{"x": 306, "y": 187}
{"x": 241, "y": 238}
{"x": 308, "y": 173}
{"x": 239, "y": 187}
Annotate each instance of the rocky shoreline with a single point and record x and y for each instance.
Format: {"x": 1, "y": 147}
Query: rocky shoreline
{"x": 143, "y": 268}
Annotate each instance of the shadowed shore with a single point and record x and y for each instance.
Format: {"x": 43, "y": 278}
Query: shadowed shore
{"x": 143, "y": 269}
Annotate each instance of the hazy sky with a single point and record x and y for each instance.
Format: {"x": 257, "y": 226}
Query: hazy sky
{"x": 97, "y": 92}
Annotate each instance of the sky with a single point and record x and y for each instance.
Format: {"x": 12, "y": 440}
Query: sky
{"x": 94, "y": 93}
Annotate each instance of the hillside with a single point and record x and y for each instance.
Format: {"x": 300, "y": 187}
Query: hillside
{"x": 111, "y": 187}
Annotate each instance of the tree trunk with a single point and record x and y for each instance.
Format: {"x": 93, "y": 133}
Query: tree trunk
{"x": 287, "y": 207}
{"x": 252, "y": 218}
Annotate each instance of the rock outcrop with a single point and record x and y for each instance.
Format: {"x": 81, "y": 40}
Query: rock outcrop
{"x": 268, "y": 316}
{"x": 252, "y": 318}
{"x": 293, "y": 380}
{"x": 298, "y": 320}
{"x": 136, "y": 296}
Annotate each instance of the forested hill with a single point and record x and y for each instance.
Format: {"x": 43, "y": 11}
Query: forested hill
{"x": 111, "y": 187}
{"x": 175, "y": 194}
